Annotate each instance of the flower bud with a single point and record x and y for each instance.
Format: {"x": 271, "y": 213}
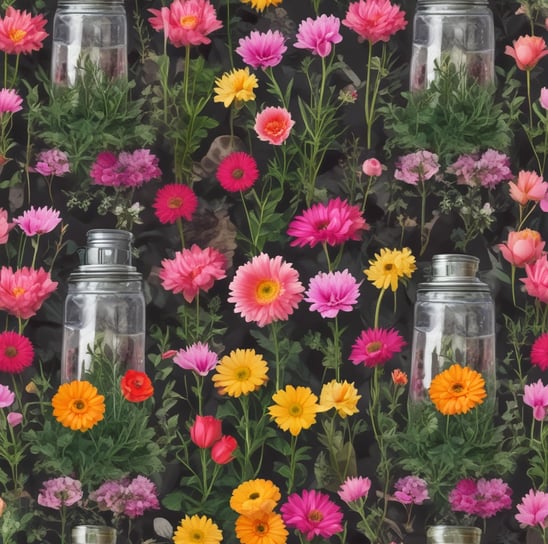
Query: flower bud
{"x": 372, "y": 167}
{"x": 14, "y": 418}
{"x": 206, "y": 431}
{"x": 222, "y": 450}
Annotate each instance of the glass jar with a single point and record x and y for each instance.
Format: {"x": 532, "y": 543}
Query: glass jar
{"x": 460, "y": 32}
{"x": 453, "y": 534}
{"x": 454, "y": 322}
{"x": 93, "y": 534}
{"x": 104, "y": 307}
{"x": 95, "y": 30}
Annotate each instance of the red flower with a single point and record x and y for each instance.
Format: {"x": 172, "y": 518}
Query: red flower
{"x": 527, "y": 51}
{"x": 175, "y": 201}
{"x": 222, "y": 451}
{"x": 136, "y": 386}
{"x": 16, "y": 352}
{"x": 206, "y": 431}
{"x": 237, "y": 172}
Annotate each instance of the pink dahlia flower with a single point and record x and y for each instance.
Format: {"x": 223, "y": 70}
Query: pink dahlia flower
{"x": 262, "y": 49}
{"x": 332, "y": 292}
{"x": 38, "y": 221}
{"x": 273, "y": 125}
{"x": 20, "y": 32}
{"x": 198, "y": 358}
{"x": 533, "y": 509}
{"x": 536, "y": 280}
{"x": 375, "y": 347}
{"x": 175, "y": 201}
{"x": 237, "y": 172}
{"x": 354, "y": 488}
{"x": 10, "y": 101}
{"x": 535, "y": 395}
{"x": 193, "y": 270}
{"x": 16, "y": 352}
{"x": 539, "y": 352}
{"x": 52, "y": 162}
{"x": 266, "y": 289}
{"x": 318, "y": 35}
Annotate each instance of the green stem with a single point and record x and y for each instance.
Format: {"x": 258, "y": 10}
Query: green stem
{"x": 529, "y": 105}
{"x": 279, "y": 370}
{"x": 378, "y": 308}
{"x": 292, "y": 464}
{"x": 179, "y": 222}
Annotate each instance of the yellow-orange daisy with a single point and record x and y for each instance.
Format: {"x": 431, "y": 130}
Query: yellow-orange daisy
{"x": 240, "y": 373}
{"x": 235, "y": 86}
{"x": 255, "y": 498}
{"x": 198, "y": 530}
{"x": 342, "y": 396}
{"x": 260, "y": 5}
{"x": 268, "y": 529}
{"x": 389, "y": 266}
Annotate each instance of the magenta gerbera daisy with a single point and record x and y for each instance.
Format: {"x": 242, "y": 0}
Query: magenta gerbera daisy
{"x": 313, "y": 514}
{"x": 237, "y": 172}
{"x": 175, "y": 201}
{"x": 376, "y": 346}
{"x": 539, "y": 352}
{"x": 333, "y": 223}
{"x": 16, "y": 352}
{"x": 266, "y": 289}
{"x": 332, "y": 292}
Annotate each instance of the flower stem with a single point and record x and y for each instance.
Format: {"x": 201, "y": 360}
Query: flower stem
{"x": 378, "y": 308}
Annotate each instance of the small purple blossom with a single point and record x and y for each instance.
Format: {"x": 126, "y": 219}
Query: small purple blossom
{"x": 59, "y": 492}
{"x": 318, "y": 35}
{"x": 38, "y": 220}
{"x": 7, "y": 397}
{"x": 411, "y": 490}
{"x": 417, "y": 167}
{"x": 262, "y": 49}
{"x": 198, "y": 358}
{"x": 52, "y": 162}
{"x": 332, "y": 292}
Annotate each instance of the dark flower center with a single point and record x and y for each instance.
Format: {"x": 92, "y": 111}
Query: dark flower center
{"x": 237, "y": 173}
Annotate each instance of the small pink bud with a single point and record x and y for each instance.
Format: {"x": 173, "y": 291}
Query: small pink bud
{"x": 14, "y": 418}
{"x": 372, "y": 167}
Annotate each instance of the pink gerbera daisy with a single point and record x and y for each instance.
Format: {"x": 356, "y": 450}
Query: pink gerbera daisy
{"x": 539, "y": 352}
{"x": 38, "y": 221}
{"x": 10, "y": 101}
{"x": 313, "y": 514}
{"x": 354, "y": 488}
{"x": 193, "y": 270}
{"x": 333, "y": 223}
{"x": 265, "y": 290}
{"x": 198, "y": 358}
{"x": 376, "y": 346}
{"x": 237, "y": 172}
{"x": 273, "y": 125}
{"x": 175, "y": 201}
{"x": 20, "y": 32}
{"x": 332, "y": 292}
{"x": 262, "y": 49}
{"x": 16, "y": 352}
{"x": 318, "y": 35}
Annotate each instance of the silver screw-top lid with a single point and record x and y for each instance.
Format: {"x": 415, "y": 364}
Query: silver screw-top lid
{"x": 93, "y": 534}
{"x": 108, "y": 246}
{"x": 454, "y": 272}
{"x": 453, "y": 534}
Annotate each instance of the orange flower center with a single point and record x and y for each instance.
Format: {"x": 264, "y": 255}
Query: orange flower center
{"x": 175, "y": 202}
{"x": 274, "y": 128}
{"x": 18, "y": 291}
{"x": 189, "y": 22}
{"x": 17, "y": 34}
{"x": 373, "y": 346}
{"x": 267, "y": 291}
{"x": 315, "y": 515}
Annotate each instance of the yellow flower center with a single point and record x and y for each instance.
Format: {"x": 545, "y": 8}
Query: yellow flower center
{"x": 295, "y": 410}
{"x": 189, "y": 22}
{"x": 175, "y": 202}
{"x": 373, "y": 346}
{"x": 267, "y": 291}
{"x": 315, "y": 515}
{"x": 242, "y": 374}
{"x": 79, "y": 405}
{"x": 18, "y": 291}
{"x": 17, "y": 34}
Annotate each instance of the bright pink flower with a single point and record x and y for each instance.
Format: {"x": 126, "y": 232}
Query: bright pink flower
{"x": 14, "y": 419}
{"x": 535, "y": 395}
{"x": 38, "y": 221}
{"x": 20, "y": 32}
{"x": 318, "y": 35}
{"x": 193, "y": 270}
{"x": 313, "y": 514}
{"x": 10, "y": 101}
{"x": 529, "y": 187}
{"x": 488, "y": 170}
{"x": 104, "y": 169}
{"x": 205, "y": 431}
{"x": 539, "y": 352}
{"x": 23, "y": 291}
{"x": 59, "y": 492}
{"x": 7, "y": 396}
{"x": 265, "y": 290}
{"x": 418, "y": 167}
{"x": 533, "y": 509}
{"x": 527, "y": 51}
{"x": 273, "y": 125}
{"x": 186, "y": 22}
{"x": 332, "y": 292}
{"x": 333, "y": 223}
{"x": 372, "y": 167}
{"x": 262, "y": 49}
{"x": 198, "y": 358}
{"x": 374, "y": 20}
{"x": 175, "y": 201}
{"x": 536, "y": 280}
{"x": 5, "y": 226}
{"x": 483, "y": 498}
{"x": 354, "y": 488}
{"x": 125, "y": 170}
{"x": 52, "y": 162}
{"x": 16, "y": 352}
{"x": 222, "y": 452}
{"x": 237, "y": 172}
{"x": 411, "y": 490}
{"x": 544, "y": 97}
{"x": 522, "y": 247}
{"x": 375, "y": 347}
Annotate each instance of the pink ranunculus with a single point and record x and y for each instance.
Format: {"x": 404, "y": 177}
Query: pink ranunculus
{"x": 528, "y": 187}
{"x": 527, "y": 51}
{"x": 21, "y": 32}
{"x": 5, "y": 226}
{"x": 544, "y": 97}
{"x": 273, "y": 125}
{"x": 318, "y": 35}
{"x": 222, "y": 452}
{"x": 411, "y": 490}
{"x": 205, "y": 431}
{"x": 52, "y": 162}
{"x": 536, "y": 280}
{"x": 522, "y": 247}
{"x": 14, "y": 419}
{"x": 372, "y": 167}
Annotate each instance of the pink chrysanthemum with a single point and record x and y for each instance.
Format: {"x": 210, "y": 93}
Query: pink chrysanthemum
{"x": 175, "y": 201}
{"x": 535, "y": 395}
{"x": 374, "y": 20}
{"x": 23, "y": 291}
{"x": 20, "y": 32}
{"x": 313, "y": 514}
{"x": 38, "y": 221}
{"x": 482, "y": 498}
{"x": 52, "y": 162}
{"x": 411, "y": 490}
{"x": 333, "y": 223}
{"x": 539, "y": 352}
{"x": 273, "y": 125}
{"x": 318, "y": 35}
{"x": 198, "y": 358}
{"x": 237, "y": 172}
{"x": 332, "y": 292}
{"x": 354, "y": 488}
{"x": 376, "y": 346}
{"x": 186, "y": 22}
{"x": 265, "y": 290}
{"x": 533, "y": 509}
{"x": 418, "y": 167}
{"x": 193, "y": 270}
{"x": 16, "y": 352}
{"x": 536, "y": 282}
{"x": 10, "y": 101}
{"x": 262, "y": 49}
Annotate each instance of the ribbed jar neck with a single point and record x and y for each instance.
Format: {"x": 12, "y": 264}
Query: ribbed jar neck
{"x": 453, "y": 5}
{"x": 82, "y": 6}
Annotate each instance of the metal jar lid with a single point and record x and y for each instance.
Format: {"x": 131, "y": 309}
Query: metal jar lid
{"x": 454, "y": 272}
{"x": 93, "y": 534}
{"x": 453, "y": 534}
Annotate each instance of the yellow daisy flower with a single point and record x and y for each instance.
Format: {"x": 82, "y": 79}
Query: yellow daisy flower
{"x": 255, "y": 498}
{"x": 260, "y": 5}
{"x": 295, "y": 408}
{"x": 389, "y": 267}
{"x": 236, "y": 85}
{"x": 457, "y": 390}
{"x": 78, "y": 405}
{"x": 341, "y": 396}
{"x": 198, "y": 530}
{"x": 268, "y": 529}
{"x": 240, "y": 373}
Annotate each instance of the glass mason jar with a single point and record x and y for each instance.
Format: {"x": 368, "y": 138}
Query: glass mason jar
{"x": 93, "y": 534}
{"x": 460, "y": 32}
{"x": 453, "y": 534}
{"x": 454, "y": 322}
{"x": 94, "y": 30}
{"x": 104, "y": 307}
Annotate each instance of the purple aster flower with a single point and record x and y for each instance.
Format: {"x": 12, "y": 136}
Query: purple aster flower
{"x": 535, "y": 395}
{"x": 332, "y": 292}
{"x": 198, "y": 358}
{"x": 318, "y": 35}
{"x": 262, "y": 49}
{"x": 52, "y": 162}
{"x": 38, "y": 221}
{"x": 354, "y": 488}
{"x": 59, "y": 492}
{"x": 411, "y": 490}
{"x": 10, "y": 101}
{"x": 417, "y": 167}
{"x": 7, "y": 396}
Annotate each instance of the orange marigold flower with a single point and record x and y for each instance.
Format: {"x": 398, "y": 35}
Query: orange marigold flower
{"x": 399, "y": 377}
{"x": 78, "y": 405}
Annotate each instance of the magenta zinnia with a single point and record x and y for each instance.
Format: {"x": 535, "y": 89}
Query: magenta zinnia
{"x": 16, "y": 352}
{"x": 332, "y": 292}
{"x": 375, "y": 347}
{"x": 266, "y": 289}
{"x": 237, "y": 172}
{"x": 262, "y": 49}
{"x": 318, "y": 35}
{"x": 175, "y": 201}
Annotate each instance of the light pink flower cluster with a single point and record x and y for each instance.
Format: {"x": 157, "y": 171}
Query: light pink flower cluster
{"x": 482, "y": 498}
{"x": 487, "y": 170}
{"x": 535, "y": 395}
{"x": 52, "y": 162}
{"x": 59, "y": 492}
{"x": 318, "y": 35}
{"x": 131, "y": 498}
{"x": 126, "y": 169}
{"x": 418, "y": 167}
{"x": 198, "y": 358}
{"x": 411, "y": 490}
{"x": 5, "y": 226}
{"x": 38, "y": 220}
{"x": 262, "y": 49}
{"x": 332, "y": 292}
